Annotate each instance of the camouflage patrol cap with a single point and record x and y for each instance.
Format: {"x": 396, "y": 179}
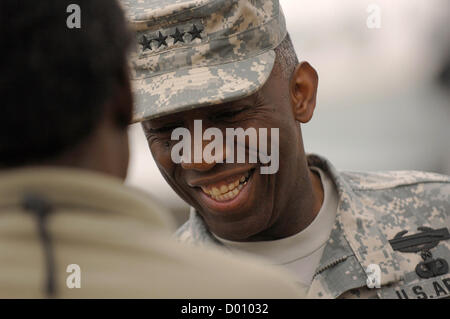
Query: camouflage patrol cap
{"x": 194, "y": 53}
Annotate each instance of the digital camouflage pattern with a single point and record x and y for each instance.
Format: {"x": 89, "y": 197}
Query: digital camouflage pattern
{"x": 193, "y": 53}
{"x": 373, "y": 208}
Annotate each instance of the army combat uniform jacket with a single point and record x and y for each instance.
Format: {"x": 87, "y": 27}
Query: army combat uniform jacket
{"x": 375, "y": 241}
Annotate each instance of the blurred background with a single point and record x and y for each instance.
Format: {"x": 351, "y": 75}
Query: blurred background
{"x": 384, "y": 93}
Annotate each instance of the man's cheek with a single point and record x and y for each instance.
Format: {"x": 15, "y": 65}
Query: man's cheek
{"x": 160, "y": 155}
{"x": 169, "y": 173}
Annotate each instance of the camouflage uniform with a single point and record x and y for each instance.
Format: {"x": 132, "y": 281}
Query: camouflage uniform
{"x": 196, "y": 53}
{"x": 373, "y": 208}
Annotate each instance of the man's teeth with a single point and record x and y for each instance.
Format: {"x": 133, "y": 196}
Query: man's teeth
{"x": 226, "y": 191}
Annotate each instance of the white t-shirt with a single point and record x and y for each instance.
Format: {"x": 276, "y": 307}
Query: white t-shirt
{"x": 300, "y": 253}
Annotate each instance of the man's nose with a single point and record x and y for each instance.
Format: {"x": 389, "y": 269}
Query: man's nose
{"x": 200, "y": 163}
{"x": 201, "y": 167}
{"x": 197, "y": 162}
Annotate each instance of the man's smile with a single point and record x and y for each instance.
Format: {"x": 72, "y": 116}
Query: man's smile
{"x": 227, "y": 189}
{"x": 225, "y": 194}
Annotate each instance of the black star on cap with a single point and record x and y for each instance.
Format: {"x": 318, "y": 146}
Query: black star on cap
{"x": 177, "y": 36}
{"x": 161, "y": 40}
{"x": 195, "y": 33}
{"x": 146, "y": 43}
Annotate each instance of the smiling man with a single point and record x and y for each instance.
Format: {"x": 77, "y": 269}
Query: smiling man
{"x": 232, "y": 66}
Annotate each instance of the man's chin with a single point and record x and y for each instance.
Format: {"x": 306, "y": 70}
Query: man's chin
{"x": 235, "y": 234}
{"x": 246, "y": 227}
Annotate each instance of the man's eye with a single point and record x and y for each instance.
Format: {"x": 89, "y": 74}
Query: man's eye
{"x": 228, "y": 114}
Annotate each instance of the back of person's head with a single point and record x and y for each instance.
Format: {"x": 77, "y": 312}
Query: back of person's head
{"x": 56, "y": 78}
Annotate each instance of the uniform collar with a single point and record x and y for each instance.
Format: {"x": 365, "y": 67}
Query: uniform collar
{"x": 355, "y": 237}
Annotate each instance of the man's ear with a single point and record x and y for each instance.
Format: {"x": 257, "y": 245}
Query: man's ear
{"x": 124, "y": 101}
{"x": 303, "y": 91}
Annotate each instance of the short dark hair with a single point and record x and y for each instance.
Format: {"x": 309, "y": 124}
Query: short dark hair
{"x": 286, "y": 57}
{"x": 54, "y": 81}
